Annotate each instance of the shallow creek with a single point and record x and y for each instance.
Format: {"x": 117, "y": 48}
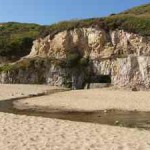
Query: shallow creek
{"x": 132, "y": 119}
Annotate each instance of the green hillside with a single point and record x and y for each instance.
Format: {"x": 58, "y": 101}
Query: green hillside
{"x": 136, "y": 20}
{"x": 16, "y": 38}
{"x": 140, "y": 10}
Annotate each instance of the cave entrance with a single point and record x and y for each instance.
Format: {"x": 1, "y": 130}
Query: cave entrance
{"x": 99, "y": 81}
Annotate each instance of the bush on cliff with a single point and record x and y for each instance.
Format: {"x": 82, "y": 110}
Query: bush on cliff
{"x": 33, "y": 63}
{"x": 74, "y": 60}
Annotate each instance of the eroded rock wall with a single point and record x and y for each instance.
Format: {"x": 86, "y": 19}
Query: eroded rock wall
{"x": 122, "y": 55}
{"x": 92, "y": 42}
{"x": 46, "y": 73}
{"x": 132, "y": 72}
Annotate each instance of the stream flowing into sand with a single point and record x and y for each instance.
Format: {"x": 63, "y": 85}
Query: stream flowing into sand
{"x": 133, "y": 119}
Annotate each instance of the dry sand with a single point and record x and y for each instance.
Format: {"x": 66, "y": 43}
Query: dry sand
{"x": 8, "y": 91}
{"x": 37, "y": 133}
{"x": 91, "y": 100}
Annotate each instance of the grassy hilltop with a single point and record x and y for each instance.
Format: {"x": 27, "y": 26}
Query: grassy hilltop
{"x": 16, "y": 38}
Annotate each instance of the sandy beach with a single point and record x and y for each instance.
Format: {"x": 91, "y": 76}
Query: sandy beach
{"x": 21, "y": 132}
{"x": 36, "y": 133}
{"x": 8, "y": 91}
{"x": 90, "y": 100}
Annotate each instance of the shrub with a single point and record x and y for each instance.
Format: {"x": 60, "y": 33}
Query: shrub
{"x": 84, "y": 61}
{"x": 7, "y": 67}
{"x": 72, "y": 59}
{"x": 16, "y": 39}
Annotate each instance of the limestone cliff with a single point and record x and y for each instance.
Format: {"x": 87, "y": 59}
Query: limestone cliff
{"x": 92, "y": 42}
{"x": 45, "y": 71}
{"x": 121, "y": 55}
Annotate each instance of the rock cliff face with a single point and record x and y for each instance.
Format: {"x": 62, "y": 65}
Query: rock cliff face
{"x": 43, "y": 71}
{"x": 92, "y": 42}
{"x": 122, "y": 56}
{"x": 132, "y": 72}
